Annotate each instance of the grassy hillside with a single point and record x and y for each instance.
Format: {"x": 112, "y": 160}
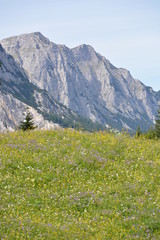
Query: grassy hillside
{"x": 73, "y": 185}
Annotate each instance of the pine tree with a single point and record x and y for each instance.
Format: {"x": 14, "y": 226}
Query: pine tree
{"x": 138, "y": 132}
{"x": 27, "y": 123}
{"x": 157, "y": 123}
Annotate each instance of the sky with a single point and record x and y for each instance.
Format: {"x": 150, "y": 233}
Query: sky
{"x": 126, "y": 32}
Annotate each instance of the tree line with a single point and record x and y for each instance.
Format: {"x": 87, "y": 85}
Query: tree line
{"x": 28, "y": 124}
{"x": 153, "y": 132}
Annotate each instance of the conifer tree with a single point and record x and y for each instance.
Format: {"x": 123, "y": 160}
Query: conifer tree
{"x": 157, "y": 124}
{"x": 27, "y": 123}
{"x": 138, "y": 132}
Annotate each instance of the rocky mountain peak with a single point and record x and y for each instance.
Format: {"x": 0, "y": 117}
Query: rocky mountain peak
{"x": 84, "y": 81}
{"x": 84, "y": 52}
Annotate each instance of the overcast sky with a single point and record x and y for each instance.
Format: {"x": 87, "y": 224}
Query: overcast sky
{"x": 126, "y": 32}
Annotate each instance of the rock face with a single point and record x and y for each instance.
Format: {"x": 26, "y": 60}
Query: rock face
{"x": 17, "y": 93}
{"x": 158, "y": 96}
{"x": 82, "y": 80}
{"x": 12, "y": 111}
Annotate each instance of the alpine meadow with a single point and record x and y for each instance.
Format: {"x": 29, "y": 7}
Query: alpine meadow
{"x": 68, "y": 184}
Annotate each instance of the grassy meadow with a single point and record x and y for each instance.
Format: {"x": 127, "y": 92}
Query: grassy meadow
{"x": 69, "y": 184}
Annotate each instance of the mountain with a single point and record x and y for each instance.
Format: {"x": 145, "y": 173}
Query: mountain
{"x": 157, "y": 96}
{"x": 83, "y": 81}
{"x": 17, "y": 93}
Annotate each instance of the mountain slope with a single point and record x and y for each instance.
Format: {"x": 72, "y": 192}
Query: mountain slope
{"x": 17, "y": 93}
{"x": 84, "y": 81}
{"x": 157, "y": 96}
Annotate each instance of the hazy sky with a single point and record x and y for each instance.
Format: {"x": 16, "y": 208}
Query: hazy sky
{"x": 127, "y": 32}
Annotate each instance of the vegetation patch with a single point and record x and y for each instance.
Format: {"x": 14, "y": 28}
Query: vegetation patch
{"x": 69, "y": 184}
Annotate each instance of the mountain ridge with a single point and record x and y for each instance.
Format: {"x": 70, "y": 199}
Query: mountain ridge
{"x": 84, "y": 81}
{"x": 17, "y": 93}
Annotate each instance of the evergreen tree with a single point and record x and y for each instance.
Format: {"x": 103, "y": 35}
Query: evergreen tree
{"x": 27, "y": 123}
{"x": 157, "y": 124}
{"x": 138, "y": 132}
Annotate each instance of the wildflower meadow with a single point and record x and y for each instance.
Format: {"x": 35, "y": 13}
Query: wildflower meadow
{"x": 68, "y": 184}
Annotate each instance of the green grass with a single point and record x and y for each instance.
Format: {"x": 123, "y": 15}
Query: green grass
{"x": 76, "y": 185}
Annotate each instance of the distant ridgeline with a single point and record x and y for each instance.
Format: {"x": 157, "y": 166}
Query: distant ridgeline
{"x": 75, "y": 87}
